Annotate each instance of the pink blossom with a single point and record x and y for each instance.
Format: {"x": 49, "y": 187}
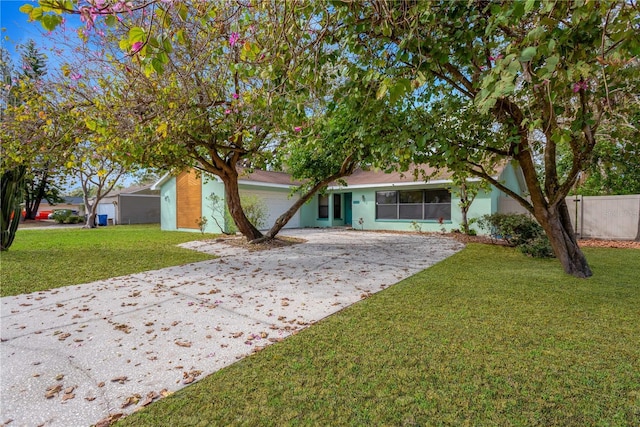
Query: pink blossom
{"x": 76, "y": 76}
{"x": 88, "y": 16}
{"x": 581, "y": 85}
{"x": 135, "y": 48}
{"x": 297, "y": 129}
{"x": 227, "y": 111}
{"x": 495, "y": 58}
{"x": 235, "y": 96}
{"x": 233, "y": 39}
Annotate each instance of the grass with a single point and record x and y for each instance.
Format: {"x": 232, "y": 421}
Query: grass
{"x": 486, "y": 337}
{"x": 46, "y": 259}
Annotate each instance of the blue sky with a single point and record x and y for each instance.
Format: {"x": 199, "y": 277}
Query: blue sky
{"x": 17, "y": 31}
{"x": 16, "y": 28}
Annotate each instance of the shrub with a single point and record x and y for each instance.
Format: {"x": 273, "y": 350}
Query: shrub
{"x": 538, "y": 247}
{"x": 202, "y": 224}
{"x": 254, "y": 208}
{"x": 61, "y": 216}
{"x": 514, "y": 229}
{"x": 518, "y": 230}
{"x": 73, "y": 219}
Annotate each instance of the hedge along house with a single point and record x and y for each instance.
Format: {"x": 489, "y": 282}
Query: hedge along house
{"x": 371, "y": 200}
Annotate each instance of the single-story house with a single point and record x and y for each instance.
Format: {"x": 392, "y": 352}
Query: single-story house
{"x": 371, "y": 200}
{"x": 75, "y": 204}
{"x": 132, "y": 205}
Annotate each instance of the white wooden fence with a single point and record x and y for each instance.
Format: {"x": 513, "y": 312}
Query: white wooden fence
{"x": 596, "y": 217}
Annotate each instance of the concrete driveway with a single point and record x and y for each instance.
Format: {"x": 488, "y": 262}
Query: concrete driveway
{"x": 77, "y": 355}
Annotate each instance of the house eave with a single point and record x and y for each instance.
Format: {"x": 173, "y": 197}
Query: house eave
{"x": 396, "y": 184}
{"x": 265, "y": 184}
{"x": 161, "y": 181}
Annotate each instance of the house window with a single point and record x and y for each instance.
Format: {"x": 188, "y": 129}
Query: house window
{"x": 414, "y": 204}
{"x": 323, "y": 206}
{"x": 386, "y": 204}
{"x": 337, "y": 206}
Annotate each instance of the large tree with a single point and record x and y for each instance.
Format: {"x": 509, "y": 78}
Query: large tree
{"x": 357, "y": 132}
{"x": 543, "y": 70}
{"x": 215, "y": 85}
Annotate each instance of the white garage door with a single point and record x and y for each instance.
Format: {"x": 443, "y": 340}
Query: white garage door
{"x": 277, "y": 203}
{"x": 108, "y": 209}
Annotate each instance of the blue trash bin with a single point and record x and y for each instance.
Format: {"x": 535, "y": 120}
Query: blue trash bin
{"x": 102, "y": 219}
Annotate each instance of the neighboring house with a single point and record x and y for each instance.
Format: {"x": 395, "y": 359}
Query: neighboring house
{"x": 371, "y": 200}
{"x": 132, "y": 205}
{"x": 70, "y": 203}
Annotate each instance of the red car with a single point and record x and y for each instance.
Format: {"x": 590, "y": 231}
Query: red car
{"x": 43, "y": 214}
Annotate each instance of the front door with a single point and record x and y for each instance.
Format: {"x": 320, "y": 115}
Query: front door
{"x": 348, "y": 213}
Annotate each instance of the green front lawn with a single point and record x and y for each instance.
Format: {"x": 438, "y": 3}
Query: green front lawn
{"x": 46, "y": 259}
{"x": 487, "y": 337}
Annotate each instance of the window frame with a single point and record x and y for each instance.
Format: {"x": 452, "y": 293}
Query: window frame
{"x": 322, "y": 206}
{"x": 384, "y": 211}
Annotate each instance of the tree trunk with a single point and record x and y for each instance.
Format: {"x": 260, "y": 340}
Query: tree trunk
{"x": 32, "y": 204}
{"x": 245, "y": 227}
{"x": 556, "y": 222}
{"x": 346, "y": 169}
{"x": 91, "y": 219}
{"x": 91, "y": 210}
{"x": 465, "y": 221}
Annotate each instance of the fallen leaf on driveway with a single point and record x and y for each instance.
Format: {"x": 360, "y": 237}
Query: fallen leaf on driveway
{"x": 106, "y": 422}
{"x": 68, "y": 396}
{"x": 53, "y": 391}
{"x": 124, "y": 328}
{"x": 131, "y": 400}
{"x": 151, "y": 396}
{"x": 183, "y": 343}
{"x": 120, "y": 380}
{"x": 189, "y": 377}
{"x": 237, "y": 334}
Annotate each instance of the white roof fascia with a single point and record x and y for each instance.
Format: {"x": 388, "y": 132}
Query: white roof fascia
{"x": 265, "y": 184}
{"x": 390, "y": 184}
{"x": 161, "y": 181}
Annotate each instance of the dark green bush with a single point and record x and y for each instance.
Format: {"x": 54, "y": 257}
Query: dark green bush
{"x": 518, "y": 230}
{"x": 61, "y": 216}
{"x": 73, "y": 219}
{"x": 514, "y": 229}
{"x": 538, "y": 247}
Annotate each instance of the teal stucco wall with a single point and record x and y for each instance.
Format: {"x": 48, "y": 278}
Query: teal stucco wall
{"x": 168, "y": 205}
{"x": 210, "y": 186}
{"x": 508, "y": 178}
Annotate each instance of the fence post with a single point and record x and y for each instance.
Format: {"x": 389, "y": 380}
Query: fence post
{"x": 578, "y": 199}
